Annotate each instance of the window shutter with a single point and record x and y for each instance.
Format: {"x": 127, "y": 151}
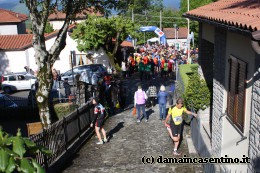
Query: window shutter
{"x": 242, "y": 69}
{"x": 232, "y": 88}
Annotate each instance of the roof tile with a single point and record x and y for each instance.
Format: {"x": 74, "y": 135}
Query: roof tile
{"x": 11, "y": 17}
{"x": 126, "y": 44}
{"x": 170, "y": 33}
{"x": 9, "y": 42}
{"x": 244, "y": 14}
{"x": 21, "y": 41}
{"x": 57, "y": 15}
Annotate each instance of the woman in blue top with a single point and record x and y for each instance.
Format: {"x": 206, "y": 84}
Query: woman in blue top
{"x": 162, "y": 100}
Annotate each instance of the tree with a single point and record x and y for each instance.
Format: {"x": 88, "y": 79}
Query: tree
{"x": 39, "y": 11}
{"x": 98, "y": 32}
{"x": 193, "y": 4}
{"x": 48, "y": 28}
{"x": 125, "y": 7}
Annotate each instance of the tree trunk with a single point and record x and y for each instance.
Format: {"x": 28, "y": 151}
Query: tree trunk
{"x": 43, "y": 92}
{"x": 116, "y": 44}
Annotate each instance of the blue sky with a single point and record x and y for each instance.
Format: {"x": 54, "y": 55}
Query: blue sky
{"x": 171, "y": 3}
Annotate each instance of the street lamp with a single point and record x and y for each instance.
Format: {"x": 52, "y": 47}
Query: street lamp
{"x": 188, "y": 20}
{"x": 174, "y": 25}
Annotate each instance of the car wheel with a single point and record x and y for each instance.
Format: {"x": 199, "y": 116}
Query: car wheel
{"x": 7, "y": 90}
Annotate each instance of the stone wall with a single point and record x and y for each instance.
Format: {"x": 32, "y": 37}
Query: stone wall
{"x": 254, "y": 133}
{"x": 218, "y": 90}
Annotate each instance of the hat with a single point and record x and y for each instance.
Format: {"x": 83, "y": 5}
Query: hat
{"x": 139, "y": 87}
{"x": 162, "y": 88}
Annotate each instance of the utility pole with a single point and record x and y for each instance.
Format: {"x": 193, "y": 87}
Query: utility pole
{"x": 133, "y": 15}
{"x": 175, "y": 34}
{"x": 188, "y": 9}
{"x": 160, "y": 19}
{"x": 188, "y": 49}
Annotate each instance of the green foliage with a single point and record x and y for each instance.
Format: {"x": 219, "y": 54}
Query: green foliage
{"x": 98, "y": 32}
{"x": 63, "y": 109}
{"x": 48, "y": 28}
{"x": 197, "y": 93}
{"x": 184, "y": 70}
{"x": 193, "y": 4}
{"x": 118, "y": 68}
{"x": 14, "y": 152}
{"x": 139, "y": 6}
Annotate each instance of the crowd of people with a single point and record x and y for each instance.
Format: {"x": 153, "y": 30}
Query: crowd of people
{"x": 153, "y": 60}
{"x": 160, "y": 61}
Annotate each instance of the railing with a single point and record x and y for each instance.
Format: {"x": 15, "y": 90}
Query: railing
{"x": 63, "y": 134}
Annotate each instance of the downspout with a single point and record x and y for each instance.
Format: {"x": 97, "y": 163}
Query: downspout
{"x": 255, "y": 42}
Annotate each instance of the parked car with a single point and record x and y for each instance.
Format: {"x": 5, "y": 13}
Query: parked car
{"x": 15, "y": 82}
{"x": 5, "y": 102}
{"x": 98, "y": 69}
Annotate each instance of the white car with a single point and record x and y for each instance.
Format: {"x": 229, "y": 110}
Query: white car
{"x": 5, "y": 102}
{"x": 16, "y": 82}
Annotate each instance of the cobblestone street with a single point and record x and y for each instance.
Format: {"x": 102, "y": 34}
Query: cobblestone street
{"x": 129, "y": 142}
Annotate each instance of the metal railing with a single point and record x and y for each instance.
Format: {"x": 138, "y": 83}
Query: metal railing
{"x": 63, "y": 134}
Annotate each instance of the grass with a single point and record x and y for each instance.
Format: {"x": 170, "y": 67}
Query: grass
{"x": 184, "y": 70}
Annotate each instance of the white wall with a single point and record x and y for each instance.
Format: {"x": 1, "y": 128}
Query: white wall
{"x": 208, "y": 32}
{"x": 14, "y": 61}
{"x": 230, "y": 134}
{"x": 64, "y": 63}
{"x": 182, "y": 42}
{"x": 58, "y": 24}
{"x": 8, "y": 30}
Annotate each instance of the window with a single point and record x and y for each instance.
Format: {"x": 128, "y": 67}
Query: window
{"x": 68, "y": 73}
{"x": 12, "y": 78}
{"x": 236, "y": 92}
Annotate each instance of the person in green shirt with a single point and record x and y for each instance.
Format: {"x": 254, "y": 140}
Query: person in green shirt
{"x": 141, "y": 69}
{"x": 148, "y": 70}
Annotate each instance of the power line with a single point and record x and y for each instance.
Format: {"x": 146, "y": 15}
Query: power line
{"x": 159, "y": 16}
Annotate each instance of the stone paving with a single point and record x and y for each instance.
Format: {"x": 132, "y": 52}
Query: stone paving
{"x": 129, "y": 142}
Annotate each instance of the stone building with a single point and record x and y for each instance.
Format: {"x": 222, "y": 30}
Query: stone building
{"x": 229, "y": 44}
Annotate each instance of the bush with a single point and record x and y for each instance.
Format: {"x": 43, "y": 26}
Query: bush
{"x": 118, "y": 68}
{"x": 197, "y": 94}
{"x": 186, "y": 69}
{"x": 63, "y": 109}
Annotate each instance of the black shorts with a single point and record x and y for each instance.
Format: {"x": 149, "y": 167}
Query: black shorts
{"x": 99, "y": 122}
{"x": 176, "y": 129}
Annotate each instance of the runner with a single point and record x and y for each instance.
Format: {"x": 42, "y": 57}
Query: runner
{"x": 175, "y": 115}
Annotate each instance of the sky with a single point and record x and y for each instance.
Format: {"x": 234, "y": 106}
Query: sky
{"x": 171, "y": 3}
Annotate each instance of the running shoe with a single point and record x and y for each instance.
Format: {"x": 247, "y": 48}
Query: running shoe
{"x": 100, "y": 143}
{"x": 175, "y": 153}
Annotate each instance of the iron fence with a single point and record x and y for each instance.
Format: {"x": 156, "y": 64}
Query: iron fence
{"x": 63, "y": 134}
